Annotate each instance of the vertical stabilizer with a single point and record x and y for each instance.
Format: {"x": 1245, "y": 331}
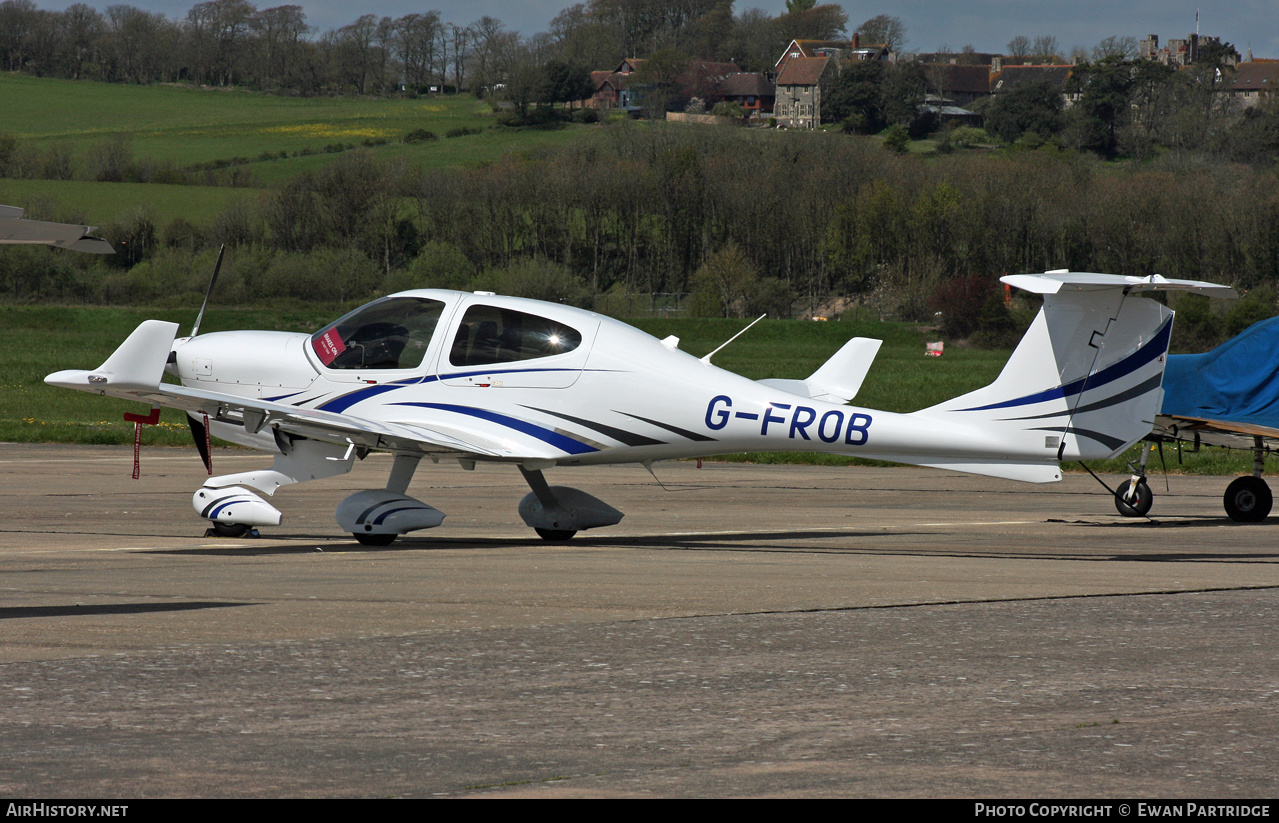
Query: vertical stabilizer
{"x": 1085, "y": 381}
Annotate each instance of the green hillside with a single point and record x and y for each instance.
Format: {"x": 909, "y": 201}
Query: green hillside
{"x": 272, "y": 138}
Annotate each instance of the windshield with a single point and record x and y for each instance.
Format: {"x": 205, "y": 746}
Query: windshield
{"x": 391, "y": 333}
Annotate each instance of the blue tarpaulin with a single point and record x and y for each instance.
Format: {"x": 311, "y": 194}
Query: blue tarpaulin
{"x": 1237, "y": 381}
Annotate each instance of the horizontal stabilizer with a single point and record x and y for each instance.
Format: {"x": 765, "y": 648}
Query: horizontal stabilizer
{"x": 838, "y": 379}
{"x": 1057, "y": 281}
{"x": 1004, "y": 469}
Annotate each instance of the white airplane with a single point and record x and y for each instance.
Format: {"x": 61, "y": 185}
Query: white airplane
{"x": 471, "y": 377}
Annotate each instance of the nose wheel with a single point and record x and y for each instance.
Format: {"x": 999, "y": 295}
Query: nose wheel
{"x": 1134, "y": 500}
{"x": 374, "y": 539}
{"x": 556, "y": 535}
{"x": 229, "y": 529}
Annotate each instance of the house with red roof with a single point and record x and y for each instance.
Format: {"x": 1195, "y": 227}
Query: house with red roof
{"x": 1252, "y": 82}
{"x": 805, "y": 68}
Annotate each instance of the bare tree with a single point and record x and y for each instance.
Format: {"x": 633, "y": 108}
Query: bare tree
{"x": 1045, "y": 48}
{"x": 18, "y": 21}
{"x": 1019, "y": 46}
{"x": 460, "y": 37}
{"x": 579, "y": 38}
{"x": 139, "y": 45}
{"x": 882, "y": 28}
{"x": 280, "y": 32}
{"x": 1125, "y": 48}
{"x": 217, "y": 31}
{"x": 81, "y": 27}
{"x": 355, "y": 53}
{"x": 493, "y": 48}
{"x": 415, "y": 46}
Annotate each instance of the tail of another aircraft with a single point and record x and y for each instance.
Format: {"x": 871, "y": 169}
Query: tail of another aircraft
{"x": 1083, "y": 384}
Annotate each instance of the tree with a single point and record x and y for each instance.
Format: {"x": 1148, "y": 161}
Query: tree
{"x": 1033, "y": 107}
{"x": 890, "y": 31}
{"x": 855, "y": 94}
{"x": 280, "y": 32}
{"x": 708, "y": 36}
{"x": 902, "y": 91}
{"x": 81, "y": 28}
{"x": 492, "y": 51}
{"x": 648, "y": 26}
{"x": 1124, "y": 48}
{"x": 897, "y": 139}
{"x": 579, "y": 38}
{"x": 217, "y": 32}
{"x": 356, "y": 54}
{"x": 1103, "y": 88}
{"x": 659, "y": 77}
{"x": 459, "y": 47}
{"x": 18, "y": 22}
{"x": 566, "y": 83}
{"x": 818, "y": 23}
{"x": 139, "y": 46}
{"x": 1019, "y": 46}
{"x": 727, "y": 284}
{"x": 755, "y": 41}
{"x": 527, "y": 83}
{"x": 1045, "y": 48}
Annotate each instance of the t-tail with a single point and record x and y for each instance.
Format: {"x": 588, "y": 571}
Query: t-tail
{"x": 1084, "y": 383}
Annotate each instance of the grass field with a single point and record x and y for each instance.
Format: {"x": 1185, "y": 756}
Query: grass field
{"x": 185, "y": 126}
{"x": 46, "y": 339}
{"x": 100, "y": 204}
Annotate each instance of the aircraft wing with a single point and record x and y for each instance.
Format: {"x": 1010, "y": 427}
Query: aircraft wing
{"x": 14, "y": 229}
{"x": 135, "y": 370}
{"x": 1227, "y": 396}
{"x": 1225, "y": 433}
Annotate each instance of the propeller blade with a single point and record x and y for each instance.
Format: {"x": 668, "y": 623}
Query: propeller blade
{"x": 217, "y": 267}
{"x": 201, "y": 437}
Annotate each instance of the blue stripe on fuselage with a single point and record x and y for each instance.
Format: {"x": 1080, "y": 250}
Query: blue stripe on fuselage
{"x": 554, "y": 438}
{"x": 1157, "y": 346}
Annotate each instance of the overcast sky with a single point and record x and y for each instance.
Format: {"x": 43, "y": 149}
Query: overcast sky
{"x": 987, "y": 25}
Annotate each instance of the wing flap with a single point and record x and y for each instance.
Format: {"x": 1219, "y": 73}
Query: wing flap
{"x": 1225, "y": 433}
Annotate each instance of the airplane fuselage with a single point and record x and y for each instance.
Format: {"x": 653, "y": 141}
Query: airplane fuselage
{"x": 620, "y": 396}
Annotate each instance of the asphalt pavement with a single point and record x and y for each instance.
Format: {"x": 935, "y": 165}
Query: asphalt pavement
{"x": 745, "y": 631}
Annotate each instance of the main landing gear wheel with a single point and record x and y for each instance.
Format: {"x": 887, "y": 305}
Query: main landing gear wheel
{"x": 1139, "y": 505}
{"x": 230, "y": 529}
{"x": 374, "y": 539}
{"x": 556, "y": 535}
{"x": 1248, "y": 499}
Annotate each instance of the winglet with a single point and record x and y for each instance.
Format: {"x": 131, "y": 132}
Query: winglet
{"x": 138, "y": 365}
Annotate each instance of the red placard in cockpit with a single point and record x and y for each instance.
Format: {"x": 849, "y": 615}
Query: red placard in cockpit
{"x": 328, "y": 346}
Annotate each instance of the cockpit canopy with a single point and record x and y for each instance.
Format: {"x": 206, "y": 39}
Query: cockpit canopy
{"x": 391, "y": 333}
{"x": 396, "y": 332}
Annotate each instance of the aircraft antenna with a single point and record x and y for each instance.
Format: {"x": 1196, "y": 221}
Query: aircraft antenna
{"x": 707, "y": 358}
{"x": 217, "y": 267}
